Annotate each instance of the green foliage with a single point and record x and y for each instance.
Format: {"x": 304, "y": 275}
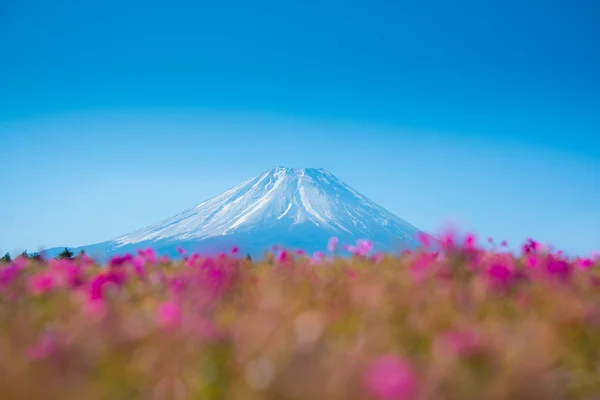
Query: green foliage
{"x": 66, "y": 254}
{"x": 6, "y": 258}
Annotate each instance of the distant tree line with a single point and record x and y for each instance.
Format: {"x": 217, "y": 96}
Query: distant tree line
{"x": 66, "y": 254}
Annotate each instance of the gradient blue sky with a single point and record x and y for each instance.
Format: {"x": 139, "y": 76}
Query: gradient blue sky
{"x": 114, "y": 114}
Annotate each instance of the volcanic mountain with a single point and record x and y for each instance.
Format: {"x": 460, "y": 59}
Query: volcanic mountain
{"x": 291, "y": 207}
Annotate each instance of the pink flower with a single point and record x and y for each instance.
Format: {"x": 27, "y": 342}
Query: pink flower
{"x": 470, "y": 241}
{"x": 281, "y": 256}
{"x": 169, "y": 315}
{"x": 94, "y": 308}
{"x": 364, "y": 247}
{"x": 332, "y": 245}
{"x": 138, "y": 266}
{"x": 532, "y": 261}
{"x": 500, "y": 275}
{"x": 391, "y": 377}
{"x": 378, "y": 257}
{"x": 351, "y": 249}
{"x": 350, "y": 273}
{"x": 42, "y": 348}
{"x": 299, "y": 252}
{"x": 585, "y": 263}
{"x": 148, "y": 254}
{"x": 41, "y": 283}
{"x": 424, "y": 239}
{"x": 317, "y": 257}
{"x": 235, "y": 250}
{"x": 180, "y": 250}
{"x": 460, "y": 343}
{"x": 504, "y": 243}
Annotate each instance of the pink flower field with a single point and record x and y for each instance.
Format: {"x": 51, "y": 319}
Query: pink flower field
{"x": 458, "y": 322}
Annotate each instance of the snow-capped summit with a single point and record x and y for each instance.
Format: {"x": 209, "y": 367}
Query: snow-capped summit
{"x": 292, "y": 207}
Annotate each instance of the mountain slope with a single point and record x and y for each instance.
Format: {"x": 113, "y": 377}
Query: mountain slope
{"x": 293, "y": 207}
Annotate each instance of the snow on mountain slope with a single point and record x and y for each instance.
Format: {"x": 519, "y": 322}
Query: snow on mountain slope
{"x": 280, "y": 200}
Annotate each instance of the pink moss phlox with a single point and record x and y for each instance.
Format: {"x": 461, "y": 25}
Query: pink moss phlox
{"x": 424, "y": 239}
{"x": 281, "y": 256}
{"x": 42, "y": 282}
{"x": 350, "y": 248}
{"x": 148, "y": 254}
{"x": 532, "y": 260}
{"x": 378, "y": 257}
{"x": 470, "y": 242}
{"x": 364, "y": 247}
{"x": 118, "y": 261}
{"x": 20, "y": 262}
{"x": 192, "y": 260}
{"x": 96, "y": 286}
{"x": 500, "y": 275}
{"x": 8, "y": 274}
{"x": 558, "y": 268}
{"x": 42, "y": 348}
{"x": 317, "y": 258}
{"x": 332, "y": 244}
{"x": 390, "y": 377}
{"x": 459, "y": 342}
{"x": 585, "y": 263}
{"x": 139, "y": 268}
{"x": 420, "y": 266}
{"x": 169, "y": 315}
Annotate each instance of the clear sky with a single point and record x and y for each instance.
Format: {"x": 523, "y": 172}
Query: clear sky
{"x": 114, "y": 115}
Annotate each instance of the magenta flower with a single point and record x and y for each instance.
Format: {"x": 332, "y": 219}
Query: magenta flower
{"x": 332, "y": 244}
{"x": 41, "y": 283}
{"x": 300, "y": 252}
{"x": 500, "y": 275}
{"x": 118, "y": 261}
{"x": 169, "y": 315}
{"x": 138, "y": 266}
{"x": 556, "y": 267}
{"x": 532, "y": 261}
{"x": 95, "y": 291}
{"x": 281, "y": 256}
{"x": 364, "y": 247}
{"x": 180, "y": 250}
{"x": 391, "y": 377}
{"x": 148, "y": 254}
{"x": 424, "y": 239}
{"x": 470, "y": 241}
{"x": 504, "y": 243}
{"x": 235, "y": 250}
{"x": 585, "y": 263}
{"x": 8, "y": 274}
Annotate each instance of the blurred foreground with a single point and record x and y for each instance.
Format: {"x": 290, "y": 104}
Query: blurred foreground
{"x": 458, "y": 323}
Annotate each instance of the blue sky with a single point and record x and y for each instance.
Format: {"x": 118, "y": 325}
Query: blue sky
{"x": 114, "y": 115}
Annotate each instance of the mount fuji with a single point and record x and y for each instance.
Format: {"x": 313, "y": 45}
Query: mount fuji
{"x": 297, "y": 208}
